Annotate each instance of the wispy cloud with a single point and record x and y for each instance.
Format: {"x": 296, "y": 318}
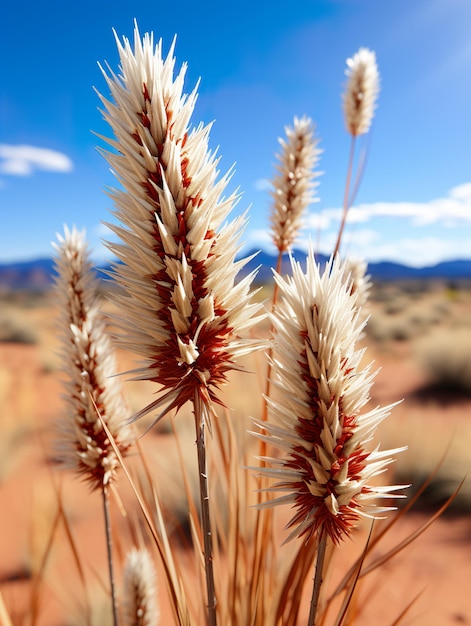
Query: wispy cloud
{"x": 450, "y": 211}
{"x": 262, "y": 184}
{"x": 416, "y": 252}
{"x": 24, "y": 160}
{"x": 405, "y": 232}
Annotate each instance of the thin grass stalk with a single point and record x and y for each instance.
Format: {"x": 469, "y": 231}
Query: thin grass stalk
{"x": 109, "y": 550}
{"x": 375, "y": 540}
{"x": 410, "y": 538}
{"x": 346, "y": 203}
{"x": 193, "y": 517}
{"x": 200, "y": 420}
{"x": 348, "y": 598}
{"x": 4, "y": 617}
{"x": 75, "y": 551}
{"x": 195, "y": 524}
{"x": 173, "y": 581}
{"x": 39, "y": 575}
{"x": 358, "y": 571}
{"x": 407, "y": 608}
{"x": 73, "y": 546}
{"x": 316, "y": 589}
{"x": 290, "y": 595}
{"x": 276, "y": 288}
{"x": 360, "y": 170}
{"x": 264, "y": 521}
{"x": 230, "y": 533}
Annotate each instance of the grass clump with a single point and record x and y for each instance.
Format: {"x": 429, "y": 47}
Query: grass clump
{"x": 192, "y": 321}
{"x": 446, "y": 358}
{"x": 13, "y": 330}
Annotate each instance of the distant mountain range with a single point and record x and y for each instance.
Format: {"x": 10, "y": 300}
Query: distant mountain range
{"x": 37, "y": 275}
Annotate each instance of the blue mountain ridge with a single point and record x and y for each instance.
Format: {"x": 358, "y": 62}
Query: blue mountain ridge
{"x": 37, "y": 274}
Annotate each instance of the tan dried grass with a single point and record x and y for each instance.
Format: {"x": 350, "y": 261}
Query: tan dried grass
{"x": 409, "y": 422}
{"x": 445, "y": 355}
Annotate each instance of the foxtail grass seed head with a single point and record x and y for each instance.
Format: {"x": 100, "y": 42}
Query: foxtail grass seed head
{"x": 184, "y": 313}
{"x": 315, "y": 414}
{"x": 294, "y": 184}
{"x": 361, "y": 284}
{"x": 359, "y": 99}
{"x": 89, "y": 368}
{"x": 140, "y": 606}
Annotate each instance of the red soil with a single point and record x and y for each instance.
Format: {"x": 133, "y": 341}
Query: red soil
{"x": 436, "y": 567}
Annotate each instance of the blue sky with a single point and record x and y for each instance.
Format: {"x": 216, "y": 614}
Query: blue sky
{"x": 260, "y": 63}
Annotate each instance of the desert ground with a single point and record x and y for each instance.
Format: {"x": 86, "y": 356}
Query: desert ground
{"x": 53, "y": 568}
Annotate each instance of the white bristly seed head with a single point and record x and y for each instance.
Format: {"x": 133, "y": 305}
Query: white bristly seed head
{"x": 360, "y": 283}
{"x": 359, "y": 99}
{"x": 315, "y": 415}
{"x": 140, "y": 607}
{"x": 183, "y": 312}
{"x": 89, "y": 368}
{"x": 294, "y": 184}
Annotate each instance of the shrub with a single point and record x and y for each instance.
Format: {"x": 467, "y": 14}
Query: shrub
{"x": 383, "y": 328}
{"x": 13, "y": 330}
{"x": 446, "y": 357}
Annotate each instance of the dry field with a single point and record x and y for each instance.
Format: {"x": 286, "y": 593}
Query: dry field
{"x": 417, "y": 334}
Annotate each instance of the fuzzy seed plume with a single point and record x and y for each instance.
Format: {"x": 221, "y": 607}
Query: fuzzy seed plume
{"x": 294, "y": 183}
{"x": 140, "y": 606}
{"x": 359, "y": 99}
{"x": 315, "y": 414}
{"x": 88, "y": 363}
{"x": 183, "y": 311}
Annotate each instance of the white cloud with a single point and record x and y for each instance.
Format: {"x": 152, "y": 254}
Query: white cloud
{"x": 374, "y": 247}
{"x": 416, "y": 252}
{"x": 102, "y": 230}
{"x": 461, "y": 192}
{"x": 259, "y": 238}
{"x": 24, "y": 160}
{"x": 262, "y": 184}
{"x": 419, "y": 234}
{"x": 450, "y": 211}
{"x": 322, "y": 221}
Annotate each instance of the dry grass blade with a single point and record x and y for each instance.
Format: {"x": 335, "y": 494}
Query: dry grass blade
{"x": 4, "y": 617}
{"x": 357, "y": 573}
{"x": 360, "y": 171}
{"x": 71, "y": 541}
{"x": 410, "y": 538}
{"x": 346, "y": 205}
{"x": 348, "y": 597}
{"x": 290, "y": 595}
{"x": 229, "y": 532}
{"x": 109, "y": 551}
{"x": 39, "y": 575}
{"x": 202, "y": 411}
{"x": 394, "y": 520}
{"x": 318, "y": 578}
{"x": 406, "y": 609}
{"x": 173, "y": 580}
{"x": 75, "y": 553}
{"x": 193, "y": 517}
